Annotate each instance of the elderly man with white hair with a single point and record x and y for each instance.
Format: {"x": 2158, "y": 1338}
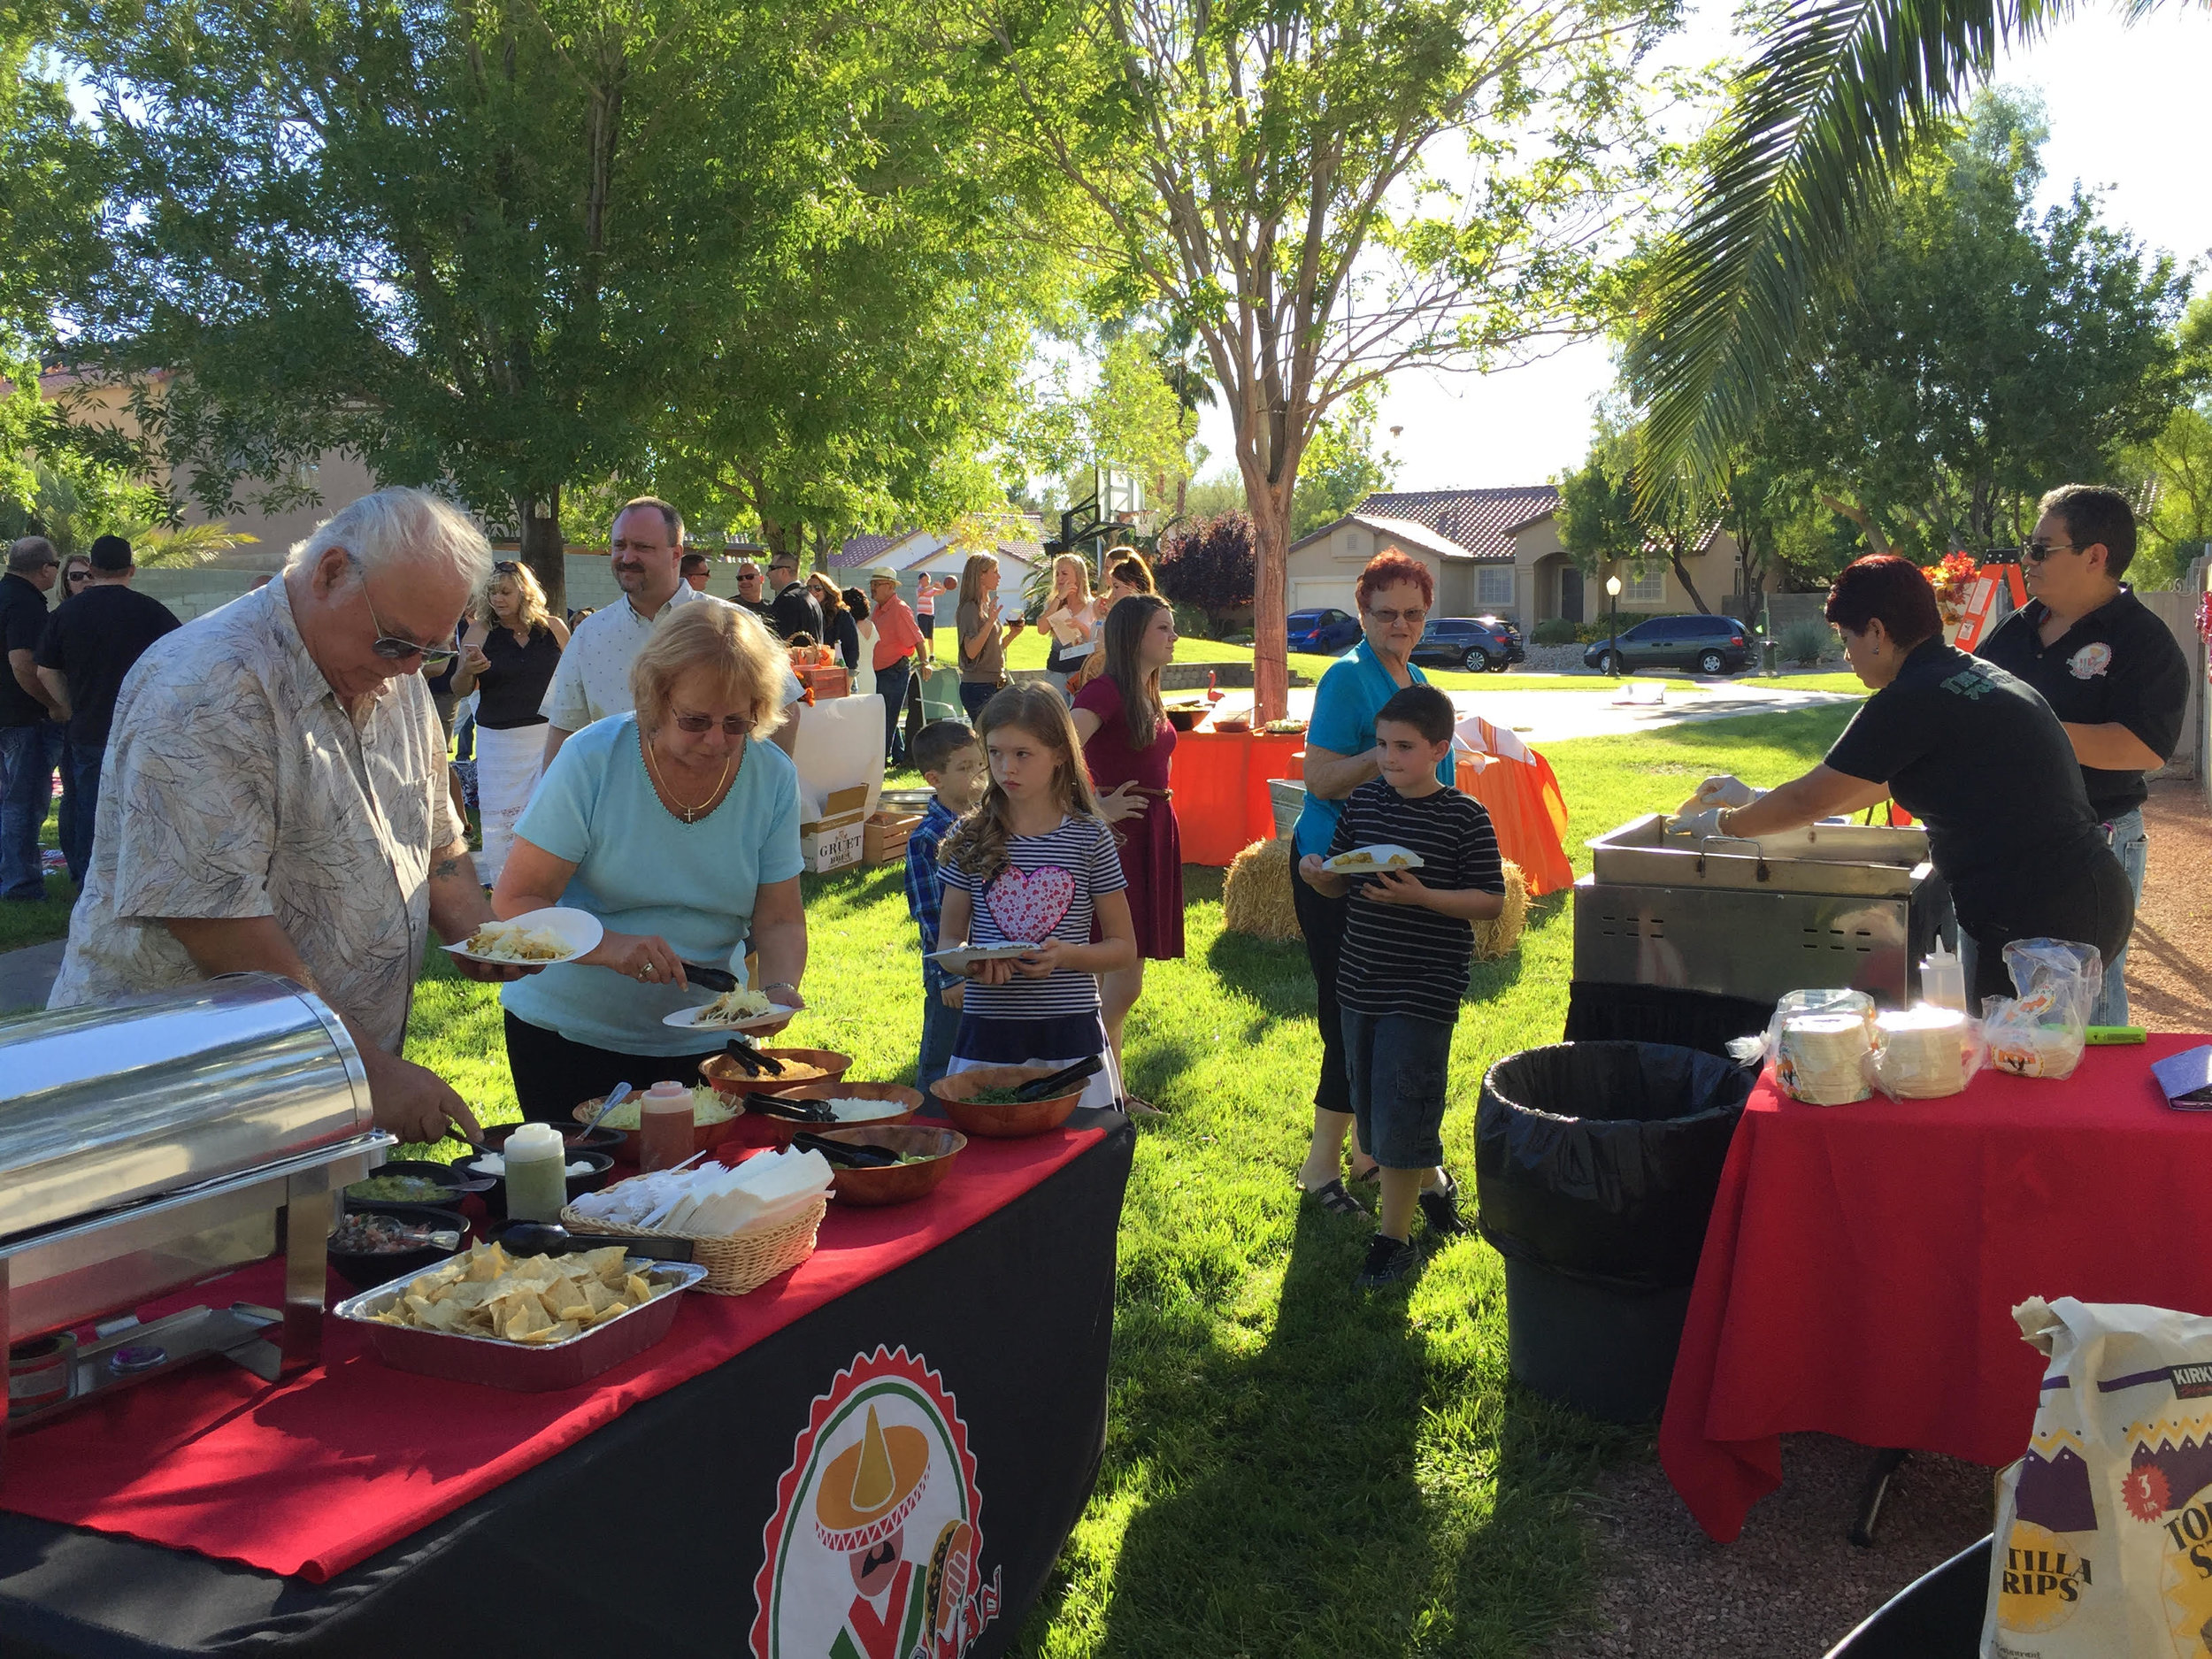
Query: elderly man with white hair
{"x": 274, "y": 796}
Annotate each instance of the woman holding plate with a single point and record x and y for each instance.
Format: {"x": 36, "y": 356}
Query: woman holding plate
{"x": 678, "y": 829}
{"x": 1393, "y": 595}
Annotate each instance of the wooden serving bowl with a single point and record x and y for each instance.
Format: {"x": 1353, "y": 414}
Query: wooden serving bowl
{"x": 813, "y": 1065}
{"x": 767, "y": 1130}
{"x": 904, "y": 1183}
{"x": 704, "y": 1137}
{"x": 1008, "y": 1122}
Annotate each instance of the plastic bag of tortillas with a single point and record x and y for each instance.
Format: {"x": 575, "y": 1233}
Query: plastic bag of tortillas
{"x": 2103, "y": 1543}
{"x": 2041, "y": 1033}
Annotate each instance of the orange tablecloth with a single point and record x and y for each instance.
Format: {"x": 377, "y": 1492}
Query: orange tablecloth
{"x": 1222, "y": 803}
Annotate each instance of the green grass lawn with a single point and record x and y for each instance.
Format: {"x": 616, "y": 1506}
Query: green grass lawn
{"x": 22, "y": 924}
{"x": 1292, "y": 1468}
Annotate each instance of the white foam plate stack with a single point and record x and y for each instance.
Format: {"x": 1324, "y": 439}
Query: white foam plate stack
{"x": 1822, "y": 1057}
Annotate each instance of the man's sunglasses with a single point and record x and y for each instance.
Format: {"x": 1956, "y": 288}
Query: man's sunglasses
{"x": 390, "y": 647}
{"x": 2037, "y": 551}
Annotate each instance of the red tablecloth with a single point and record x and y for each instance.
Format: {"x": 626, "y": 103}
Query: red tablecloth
{"x": 1862, "y": 1262}
{"x": 310, "y": 1476}
{"x": 1222, "y": 802}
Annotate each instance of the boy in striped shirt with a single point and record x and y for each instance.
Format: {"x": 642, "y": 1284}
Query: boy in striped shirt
{"x": 1408, "y": 939}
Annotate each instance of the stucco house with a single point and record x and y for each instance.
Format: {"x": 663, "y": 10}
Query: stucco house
{"x": 917, "y": 553}
{"x": 1492, "y": 552}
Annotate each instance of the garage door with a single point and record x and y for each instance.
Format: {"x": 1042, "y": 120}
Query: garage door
{"x": 1313, "y": 595}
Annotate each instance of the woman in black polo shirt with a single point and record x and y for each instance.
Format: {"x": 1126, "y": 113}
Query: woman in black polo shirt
{"x": 1973, "y": 754}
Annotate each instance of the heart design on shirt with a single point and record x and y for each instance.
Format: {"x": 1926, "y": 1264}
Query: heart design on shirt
{"x": 1028, "y": 908}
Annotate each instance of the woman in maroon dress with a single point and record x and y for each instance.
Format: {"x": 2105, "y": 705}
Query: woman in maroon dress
{"x": 1127, "y": 743}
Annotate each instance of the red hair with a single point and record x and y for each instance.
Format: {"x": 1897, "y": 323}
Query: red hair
{"x": 1387, "y": 569}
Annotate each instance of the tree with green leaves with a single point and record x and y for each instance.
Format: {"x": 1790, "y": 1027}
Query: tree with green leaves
{"x": 1278, "y": 177}
{"x": 2173, "y": 468}
{"x": 1341, "y": 467}
{"x": 1608, "y": 515}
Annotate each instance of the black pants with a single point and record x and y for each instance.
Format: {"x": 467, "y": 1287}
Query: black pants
{"x": 554, "y": 1075}
{"x": 2096, "y": 906}
{"x": 1322, "y": 921}
{"x": 891, "y": 685}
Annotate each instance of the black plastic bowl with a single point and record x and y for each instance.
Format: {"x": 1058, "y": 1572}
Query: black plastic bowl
{"x": 601, "y": 1172}
{"x": 365, "y": 1269}
{"x": 457, "y": 1184}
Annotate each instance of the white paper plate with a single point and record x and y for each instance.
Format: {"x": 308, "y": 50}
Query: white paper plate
{"x": 580, "y": 928}
{"x": 1337, "y": 867}
{"x": 688, "y": 1019}
{"x": 958, "y": 959}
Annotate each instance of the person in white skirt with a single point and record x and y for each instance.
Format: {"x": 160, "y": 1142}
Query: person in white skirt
{"x": 508, "y": 657}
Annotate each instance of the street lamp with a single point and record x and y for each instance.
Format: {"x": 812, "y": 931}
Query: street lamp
{"x": 1613, "y": 603}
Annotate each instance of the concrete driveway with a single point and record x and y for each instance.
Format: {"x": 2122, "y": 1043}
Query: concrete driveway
{"x": 1553, "y": 717}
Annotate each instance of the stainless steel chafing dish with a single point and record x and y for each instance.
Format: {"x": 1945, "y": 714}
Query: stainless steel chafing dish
{"x": 1833, "y": 905}
{"x": 163, "y": 1141}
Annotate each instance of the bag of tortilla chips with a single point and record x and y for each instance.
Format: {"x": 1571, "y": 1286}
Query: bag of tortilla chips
{"x": 2103, "y": 1544}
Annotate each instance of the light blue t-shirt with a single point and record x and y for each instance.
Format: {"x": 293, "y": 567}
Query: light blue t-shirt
{"x": 642, "y": 870}
{"x": 1344, "y": 704}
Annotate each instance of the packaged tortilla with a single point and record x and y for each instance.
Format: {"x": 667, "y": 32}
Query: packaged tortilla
{"x": 2103, "y": 1543}
{"x": 2041, "y": 1031}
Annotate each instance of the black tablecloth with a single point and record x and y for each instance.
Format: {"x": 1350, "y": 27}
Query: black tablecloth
{"x": 646, "y": 1536}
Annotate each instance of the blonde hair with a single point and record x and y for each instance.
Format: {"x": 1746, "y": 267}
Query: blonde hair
{"x": 971, "y": 578}
{"x": 1061, "y": 564}
{"x": 732, "y": 644}
{"x": 532, "y": 615}
{"x": 976, "y": 843}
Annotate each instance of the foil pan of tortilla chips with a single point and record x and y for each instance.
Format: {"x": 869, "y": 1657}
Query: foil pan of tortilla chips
{"x": 532, "y": 1322}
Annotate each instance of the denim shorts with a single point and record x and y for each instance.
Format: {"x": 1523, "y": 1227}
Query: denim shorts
{"x": 1397, "y": 1064}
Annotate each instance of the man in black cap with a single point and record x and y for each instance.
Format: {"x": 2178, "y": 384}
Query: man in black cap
{"x": 90, "y": 642}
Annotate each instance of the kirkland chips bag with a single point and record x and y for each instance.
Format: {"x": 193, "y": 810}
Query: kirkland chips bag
{"x": 2103, "y": 1545}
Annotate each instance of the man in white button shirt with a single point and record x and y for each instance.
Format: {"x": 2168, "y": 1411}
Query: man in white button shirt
{"x": 593, "y": 680}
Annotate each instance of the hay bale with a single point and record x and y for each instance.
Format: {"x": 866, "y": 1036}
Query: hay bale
{"x": 1497, "y": 937}
{"x": 1255, "y": 897}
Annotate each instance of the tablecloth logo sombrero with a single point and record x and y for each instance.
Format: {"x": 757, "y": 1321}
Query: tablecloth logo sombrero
{"x": 874, "y": 1551}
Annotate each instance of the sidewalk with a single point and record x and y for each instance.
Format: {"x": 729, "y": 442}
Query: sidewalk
{"x": 27, "y": 975}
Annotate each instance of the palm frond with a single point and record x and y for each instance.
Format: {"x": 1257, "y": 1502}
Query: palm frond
{"x": 1824, "y": 119}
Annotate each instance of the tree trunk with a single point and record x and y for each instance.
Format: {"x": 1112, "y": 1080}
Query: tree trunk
{"x": 1682, "y": 575}
{"x": 1874, "y": 540}
{"x": 1271, "y": 611}
{"x": 543, "y": 548}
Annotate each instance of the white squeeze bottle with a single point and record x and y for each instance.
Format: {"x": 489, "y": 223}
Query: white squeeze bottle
{"x": 664, "y": 1120}
{"x": 1943, "y": 979}
{"x": 537, "y": 1178}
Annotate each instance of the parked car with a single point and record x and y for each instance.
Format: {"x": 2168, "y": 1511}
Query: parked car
{"x": 1474, "y": 643}
{"x": 1710, "y": 645}
{"x": 1324, "y": 631}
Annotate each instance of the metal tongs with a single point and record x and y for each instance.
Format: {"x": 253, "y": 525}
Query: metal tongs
{"x": 851, "y": 1155}
{"x": 710, "y": 978}
{"x": 749, "y": 1060}
{"x": 1057, "y": 1083}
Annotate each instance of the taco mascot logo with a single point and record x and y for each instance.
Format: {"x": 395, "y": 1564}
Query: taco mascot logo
{"x": 873, "y": 1551}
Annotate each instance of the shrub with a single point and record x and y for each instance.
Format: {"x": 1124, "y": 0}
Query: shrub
{"x": 1805, "y": 643}
{"x": 1553, "y": 631}
{"x": 1192, "y": 623}
{"x": 1209, "y": 565}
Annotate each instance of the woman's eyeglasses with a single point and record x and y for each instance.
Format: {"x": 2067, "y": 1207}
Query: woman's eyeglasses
{"x": 78, "y": 576}
{"x": 506, "y": 567}
{"x": 733, "y": 724}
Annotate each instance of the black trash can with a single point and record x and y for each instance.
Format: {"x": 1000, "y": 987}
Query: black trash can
{"x": 1595, "y": 1167}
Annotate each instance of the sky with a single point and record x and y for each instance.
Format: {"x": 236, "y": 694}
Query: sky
{"x": 2125, "y": 111}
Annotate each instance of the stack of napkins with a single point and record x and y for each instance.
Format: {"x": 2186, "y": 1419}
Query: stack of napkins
{"x": 717, "y": 1200}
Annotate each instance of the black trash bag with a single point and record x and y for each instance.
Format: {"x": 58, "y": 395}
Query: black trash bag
{"x": 1601, "y": 1159}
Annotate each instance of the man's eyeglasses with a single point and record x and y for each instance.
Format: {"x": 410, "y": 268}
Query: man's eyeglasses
{"x": 391, "y": 647}
{"x": 733, "y": 724}
{"x": 2040, "y": 550}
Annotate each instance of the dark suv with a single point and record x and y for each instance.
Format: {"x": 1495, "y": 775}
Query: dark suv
{"x": 1323, "y": 632}
{"x": 1710, "y": 645}
{"x": 1474, "y": 643}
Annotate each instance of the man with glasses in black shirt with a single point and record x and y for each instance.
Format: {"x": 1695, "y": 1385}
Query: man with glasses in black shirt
{"x": 30, "y": 720}
{"x": 2108, "y": 668}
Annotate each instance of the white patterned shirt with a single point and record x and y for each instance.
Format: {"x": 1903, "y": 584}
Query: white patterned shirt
{"x": 236, "y": 786}
{"x": 593, "y": 679}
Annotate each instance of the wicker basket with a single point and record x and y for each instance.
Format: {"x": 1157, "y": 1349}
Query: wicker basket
{"x": 734, "y": 1264}
{"x": 1288, "y": 797}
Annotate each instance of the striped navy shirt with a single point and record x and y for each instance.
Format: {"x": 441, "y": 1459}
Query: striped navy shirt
{"x": 1051, "y": 893}
{"x": 1402, "y": 958}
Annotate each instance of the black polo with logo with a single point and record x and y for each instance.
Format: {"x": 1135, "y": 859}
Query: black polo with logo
{"x": 2118, "y": 666}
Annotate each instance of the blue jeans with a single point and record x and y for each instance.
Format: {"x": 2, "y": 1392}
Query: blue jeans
{"x": 82, "y": 773}
{"x": 2131, "y": 847}
{"x": 939, "y": 1026}
{"x": 1397, "y": 1064}
{"x": 973, "y": 697}
{"x": 891, "y": 684}
{"x": 28, "y": 755}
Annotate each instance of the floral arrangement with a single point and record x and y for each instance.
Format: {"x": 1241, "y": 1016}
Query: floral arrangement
{"x": 1953, "y": 579}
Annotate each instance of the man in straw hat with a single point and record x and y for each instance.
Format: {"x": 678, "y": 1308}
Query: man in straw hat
{"x": 898, "y": 636}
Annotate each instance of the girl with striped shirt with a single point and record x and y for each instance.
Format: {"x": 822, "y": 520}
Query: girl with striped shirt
{"x": 1034, "y": 863}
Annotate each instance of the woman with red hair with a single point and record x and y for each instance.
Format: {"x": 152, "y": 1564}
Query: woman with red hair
{"x": 1974, "y": 754}
{"x": 1393, "y": 595}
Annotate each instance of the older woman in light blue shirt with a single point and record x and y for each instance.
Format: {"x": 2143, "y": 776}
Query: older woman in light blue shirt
{"x": 677, "y": 826}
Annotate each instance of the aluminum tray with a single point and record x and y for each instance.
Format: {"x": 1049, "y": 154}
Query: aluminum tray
{"x": 519, "y": 1365}
{"x": 1855, "y": 860}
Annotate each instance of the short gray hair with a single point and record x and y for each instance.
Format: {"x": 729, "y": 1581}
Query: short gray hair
{"x": 30, "y": 553}
{"x": 399, "y": 525}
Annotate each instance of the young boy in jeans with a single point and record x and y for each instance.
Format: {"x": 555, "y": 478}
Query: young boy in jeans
{"x": 951, "y": 762}
{"x": 1408, "y": 939}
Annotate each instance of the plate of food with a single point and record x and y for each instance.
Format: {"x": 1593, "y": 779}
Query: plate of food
{"x": 741, "y": 1009}
{"x": 961, "y": 957}
{"x": 1370, "y": 861}
{"x": 539, "y": 939}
